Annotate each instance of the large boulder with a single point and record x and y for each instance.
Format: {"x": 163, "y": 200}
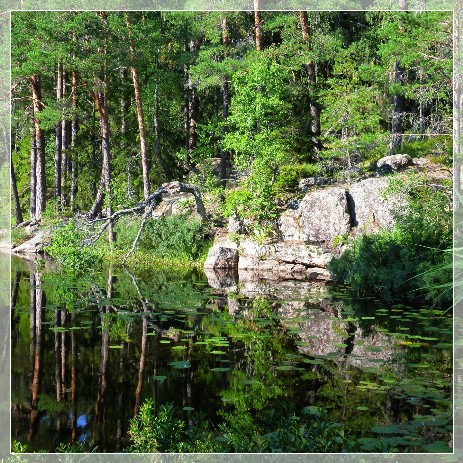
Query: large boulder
{"x": 222, "y": 255}
{"x": 394, "y": 161}
{"x": 369, "y": 209}
{"x": 284, "y": 258}
{"x": 321, "y": 216}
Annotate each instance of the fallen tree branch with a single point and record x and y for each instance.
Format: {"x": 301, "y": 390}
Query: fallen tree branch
{"x": 146, "y": 215}
{"x": 167, "y": 189}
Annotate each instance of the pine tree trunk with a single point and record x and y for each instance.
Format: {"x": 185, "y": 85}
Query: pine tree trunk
{"x": 14, "y": 188}
{"x": 40, "y": 148}
{"x": 225, "y": 105}
{"x": 106, "y": 167}
{"x": 314, "y": 108}
{"x": 140, "y": 115}
{"x": 58, "y": 138}
{"x": 74, "y": 129}
{"x": 64, "y": 153}
{"x": 259, "y": 35}
{"x": 192, "y": 104}
{"x": 33, "y": 174}
{"x": 397, "y": 111}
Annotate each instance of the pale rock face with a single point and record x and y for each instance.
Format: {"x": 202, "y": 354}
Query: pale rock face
{"x": 369, "y": 209}
{"x": 321, "y": 216}
{"x": 307, "y": 232}
{"x": 396, "y": 161}
{"x": 222, "y": 255}
{"x": 324, "y": 215}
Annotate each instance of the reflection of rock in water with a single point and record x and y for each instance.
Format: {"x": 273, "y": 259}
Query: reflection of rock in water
{"x": 249, "y": 284}
{"x": 323, "y": 328}
{"x": 222, "y": 278}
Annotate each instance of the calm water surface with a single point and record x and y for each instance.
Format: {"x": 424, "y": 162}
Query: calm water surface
{"x": 87, "y": 352}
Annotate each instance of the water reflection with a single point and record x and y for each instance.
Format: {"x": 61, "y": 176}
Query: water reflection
{"x": 98, "y": 346}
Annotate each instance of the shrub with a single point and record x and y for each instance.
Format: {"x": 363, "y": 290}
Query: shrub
{"x": 412, "y": 260}
{"x": 66, "y": 247}
{"x": 289, "y": 176}
{"x": 177, "y": 237}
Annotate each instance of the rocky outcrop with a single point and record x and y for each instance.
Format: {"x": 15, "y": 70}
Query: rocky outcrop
{"x": 222, "y": 255}
{"x": 285, "y": 258}
{"x": 321, "y": 216}
{"x": 307, "y": 231}
{"x": 33, "y": 245}
{"x": 368, "y": 208}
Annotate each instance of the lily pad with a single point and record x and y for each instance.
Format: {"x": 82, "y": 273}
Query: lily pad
{"x": 220, "y": 369}
{"x": 159, "y": 377}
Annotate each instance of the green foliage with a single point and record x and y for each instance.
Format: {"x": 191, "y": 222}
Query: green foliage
{"x": 18, "y": 447}
{"x": 160, "y": 431}
{"x": 153, "y": 432}
{"x": 66, "y": 247}
{"x": 410, "y": 261}
{"x": 178, "y": 237}
{"x": 290, "y": 174}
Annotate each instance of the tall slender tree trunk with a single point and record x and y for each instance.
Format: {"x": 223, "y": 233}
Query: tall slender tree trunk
{"x": 40, "y": 192}
{"x": 58, "y": 138}
{"x": 140, "y": 115}
{"x": 310, "y": 70}
{"x": 100, "y": 98}
{"x": 225, "y": 105}
{"x": 397, "y": 110}
{"x": 14, "y": 189}
{"x": 258, "y": 32}
{"x": 64, "y": 153}
{"x": 191, "y": 102}
{"x": 33, "y": 174}
{"x": 74, "y": 130}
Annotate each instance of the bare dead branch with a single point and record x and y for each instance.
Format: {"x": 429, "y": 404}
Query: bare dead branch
{"x": 167, "y": 189}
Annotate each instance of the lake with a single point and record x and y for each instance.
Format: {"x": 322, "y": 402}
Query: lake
{"x": 88, "y": 351}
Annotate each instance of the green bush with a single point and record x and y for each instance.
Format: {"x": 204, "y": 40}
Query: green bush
{"x": 178, "y": 237}
{"x": 66, "y": 247}
{"x": 161, "y": 431}
{"x": 289, "y": 176}
{"x": 412, "y": 260}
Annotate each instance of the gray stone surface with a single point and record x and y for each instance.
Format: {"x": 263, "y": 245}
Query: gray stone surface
{"x": 32, "y": 246}
{"x": 324, "y": 215}
{"x": 368, "y": 207}
{"x": 395, "y": 161}
{"x": 222, "y": 255}
{"x": 321, "y": 216}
